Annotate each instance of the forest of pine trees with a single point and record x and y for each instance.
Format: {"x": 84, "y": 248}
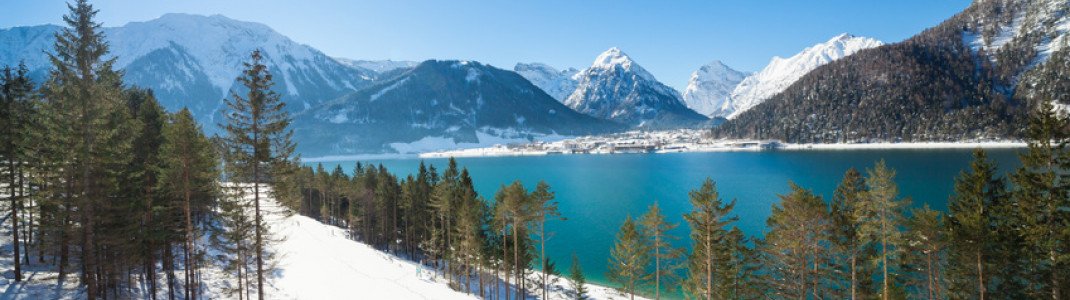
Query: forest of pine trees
{"x": 103, "y": 185}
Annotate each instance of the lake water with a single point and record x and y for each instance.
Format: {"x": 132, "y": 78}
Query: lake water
{"x": 596, "y": 192}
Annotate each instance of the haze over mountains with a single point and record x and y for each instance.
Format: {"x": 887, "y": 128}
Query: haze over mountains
{"x": 981, "y": 65}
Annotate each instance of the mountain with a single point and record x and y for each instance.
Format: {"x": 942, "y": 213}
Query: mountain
{"x": 973, "y": 76}
{"x": 710, "y": 87}
{"x": 618, "y": 89}
{"x": 192, "y": 61}
{"x": 782, "y": 72}
{"x": 559, "y": 84}
{"x": 440, "y": 105}
{"x": 378, "y": 66}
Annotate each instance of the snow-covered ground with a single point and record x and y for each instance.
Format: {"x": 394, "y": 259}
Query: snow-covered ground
{"x": 314, "y": 261}
{"x": 690, "y": 140}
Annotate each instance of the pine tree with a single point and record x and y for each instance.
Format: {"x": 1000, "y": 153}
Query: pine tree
{"x": 15, "y": 112}
{"x": 544, "y": 208}
{"x": 576, "y": 280}
{"x": 797, "y": 245}
{"x": 258, "y": 139}
{"x": 925, "y": 254}
{"x": 846, "y": 238}
{"x": 664, "y": 254}
{"x": 629, "y": 259}
{"x": 1042, "y": 195}
{"x": 708, "y": 221}
{"x": 971, "y": 228}
{"x": 880, "y": 217}
{"x": 189, "y": 175}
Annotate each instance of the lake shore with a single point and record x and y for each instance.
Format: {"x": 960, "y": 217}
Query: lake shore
{"x": 721, "y": 146}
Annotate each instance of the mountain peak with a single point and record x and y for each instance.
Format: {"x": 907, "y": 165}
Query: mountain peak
{"x": 613, "y": 56}
{"x": 782, "y": 72}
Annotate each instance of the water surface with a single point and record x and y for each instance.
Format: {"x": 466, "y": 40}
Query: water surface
{"x": 596, "y": 192}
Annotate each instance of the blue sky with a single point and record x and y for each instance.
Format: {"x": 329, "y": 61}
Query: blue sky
{"x": 669, "y": 38}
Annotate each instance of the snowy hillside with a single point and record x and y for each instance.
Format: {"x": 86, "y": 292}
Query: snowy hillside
{"x": 710, "y": 88}
{"x": 193, "y": 60}
{"x": 558, "y": 84}
{"x": 616, "y": 88}
{"x": 782, "y": 72}
{"x": 378, "y": 66}
{"x": 313, "y": 261}
{"x": 1040, "y": 24}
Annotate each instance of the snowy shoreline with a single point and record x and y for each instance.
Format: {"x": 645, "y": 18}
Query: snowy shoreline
{"x": 722, "y": 146}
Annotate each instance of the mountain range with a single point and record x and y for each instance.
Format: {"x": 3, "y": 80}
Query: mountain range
{"x": 719, "y": 91}
{"x": 973, "y": 76}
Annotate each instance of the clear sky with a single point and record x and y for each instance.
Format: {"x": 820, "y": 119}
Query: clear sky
{"x": 669, "y": 38}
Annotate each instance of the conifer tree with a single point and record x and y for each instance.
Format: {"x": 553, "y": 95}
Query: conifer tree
{"x": 797, "y": 244}
{"x": 258, "y": 142}
{"x": 576, "y": 280}
{"x": 708, "y": 220}
{"x": 189, "y": 176}
{"x": 880, "y": 217}
{"x": 544, "y": 208}
{"x": 15, "y": 112}
{"x": 1042, "y": 195}
{"x": 664, "y": 254}
{"x": 629, "y": 259}
{"x": 846, "y": 241}
{"x": 85, "y": 108}
{"x": 971, "y": 228}
{"x": 925, "y": 254}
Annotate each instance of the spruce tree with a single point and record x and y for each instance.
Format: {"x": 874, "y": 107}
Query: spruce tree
{"x": 1042, "y": 195}
{"x": 880, "y": 216}
{"x": 709, "y": 222}
{"x": 576, "y": 280}
{"x": 85, "y": 109}
{"x": 258, "y": 142}
{"x": 971, "y": 228}
{"x": 629, "y": 259}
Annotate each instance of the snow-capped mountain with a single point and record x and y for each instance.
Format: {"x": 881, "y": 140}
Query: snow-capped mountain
{"x": 192, "y": 61}
{"x": 618, "y": 89}
{"x": 378, "y": 66}
{"x": 440, "y": 105}
{"x": 782, "y": 72}
{"x": 559, "y": 84}
{"x": 710, "y": 88}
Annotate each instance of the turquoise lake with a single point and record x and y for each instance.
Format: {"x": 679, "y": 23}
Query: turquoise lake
{"x": 597, "y": 192}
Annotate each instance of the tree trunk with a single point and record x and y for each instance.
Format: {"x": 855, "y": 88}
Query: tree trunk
{"x": 657, "y": 266}
{"x": 14, "y": 214}
{"x": 854, "y": 274}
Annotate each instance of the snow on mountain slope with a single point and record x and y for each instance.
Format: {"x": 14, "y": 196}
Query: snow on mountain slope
{"x": 618, "y": 89}
{"x": 193, "y": 60}
{"x": 558, "y": 84}
{"x": 1041, "y": 24}
{"x": 710, "y": 88}
{"x": 440, "y": 104}
{"x": 378, "y": 66}
{"x": 782, "y": 72}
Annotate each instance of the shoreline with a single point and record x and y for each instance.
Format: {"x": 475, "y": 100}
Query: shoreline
{"x": 723, "y": 146}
